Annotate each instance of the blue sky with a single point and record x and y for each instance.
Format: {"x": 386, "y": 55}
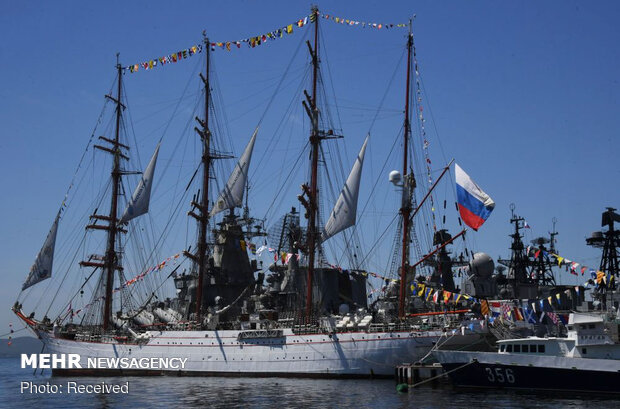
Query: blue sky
{"x": 524, "y": 95}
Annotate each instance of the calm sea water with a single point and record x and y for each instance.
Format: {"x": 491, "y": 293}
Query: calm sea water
{"x": 170, "y": 392}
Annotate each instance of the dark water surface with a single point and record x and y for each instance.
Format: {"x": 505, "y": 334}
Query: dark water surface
{"x": 171, "y": 392}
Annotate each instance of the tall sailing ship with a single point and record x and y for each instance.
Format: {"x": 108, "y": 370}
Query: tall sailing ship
{"x": 298, "y": 317}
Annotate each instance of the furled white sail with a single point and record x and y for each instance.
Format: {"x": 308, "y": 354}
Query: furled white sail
{"x": 139, "y": 203}
{"x": 232, "y": 195}
{"x": 345, "y": 209}
{"x": 42, "y": 267}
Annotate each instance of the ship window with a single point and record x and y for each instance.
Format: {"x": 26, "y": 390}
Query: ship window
{"x": 517, "y": 348}
{"x": 541, "y": 349}
{"x": 502, "y": 348}
{"x": 591, "y": 326}
{"x": 509, "y": 348}
{"x": 583, "y": 326}
{"x": 532, "y": 348}
{"x": 584, "y": 351}
{"x": 570, "y": 327}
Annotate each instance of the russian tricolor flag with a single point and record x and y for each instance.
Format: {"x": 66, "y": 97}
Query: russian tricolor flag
{"x": 475, "y": 206}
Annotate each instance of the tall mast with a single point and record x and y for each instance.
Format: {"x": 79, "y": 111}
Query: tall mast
{"x": 405, "y": 210}
{"x": 203, "y": 219}
{"x": 315, "y": 141}
{"x": 110, "y": 255}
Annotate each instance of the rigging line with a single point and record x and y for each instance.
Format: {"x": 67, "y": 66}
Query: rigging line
{"x": 138, "y": 242}
{"x": 294, "y": 96}
{"x": 330, "y": 77}
{"x": 166, "y": 103}
{"x": 220, "y": 116}
{"x": 152, "y": 239}
{"x": 13, "y": 332}
{"x": 252, "y": 96}
{"x": 428, "y": 103}
{"x": 166, "y": 106}
{"x": 72, "y": 260}
{"x": 176, "y": 147}
{"x": 374, "y": 186}
{"x": 63, "y": 280}
{"x": 170, "y": 220}
{"x": 75, "y": 227}
{"x": 282, "y": 78}
{"x": 82, "y": 286}
{"x": 384, "y": 117}
{"x": 92, "y": 135}
{"x": 143, "y": 305}
{"x": 62, "y": 261}
{"x": 379, "y": 238}
{"x": 185, "y": 149}
{"x": 258, "y": 103}
{"x": 271, "y": 207}
{"x": 387, "y": 89}
{"x": 156, "y": 125}
{"x": 189, "y": 81}
{"x": 382, "y": 101}
{"x": 259, "y": 80}
{"x": 329, "y": 122}
{"x": 129, "y": 119}
{"x": 281, "y": 123}
{"x": 277, "y": 131}
{"x": 362, "y": 108}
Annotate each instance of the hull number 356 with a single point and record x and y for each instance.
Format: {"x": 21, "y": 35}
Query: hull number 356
{"x": 500, "y": 375}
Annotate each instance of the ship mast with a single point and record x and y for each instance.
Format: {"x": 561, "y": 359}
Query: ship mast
{"x": 203, "y": 219}
{"x": 110, "y": 262}
{"x": 110, "y": 254}
{"x": 314, "y": 143}
{"x": 408, "y": 186}
{"x": 608, "y": 241}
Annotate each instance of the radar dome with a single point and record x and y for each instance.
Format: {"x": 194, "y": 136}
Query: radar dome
{"x": 395, "y": 177}
{"x": 481, "y": 265}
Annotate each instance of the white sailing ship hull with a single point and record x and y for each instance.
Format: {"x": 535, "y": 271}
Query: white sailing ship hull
{"x": 221, "y": 353}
